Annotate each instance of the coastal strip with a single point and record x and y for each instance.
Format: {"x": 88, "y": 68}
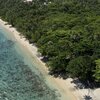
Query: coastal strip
{"x": 64, "y": 87}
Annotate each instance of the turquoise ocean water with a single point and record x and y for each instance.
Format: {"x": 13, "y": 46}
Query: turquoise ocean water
{"x": 17, "y": 80}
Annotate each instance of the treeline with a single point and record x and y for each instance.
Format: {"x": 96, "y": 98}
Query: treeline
{"x": 67, "y": 33}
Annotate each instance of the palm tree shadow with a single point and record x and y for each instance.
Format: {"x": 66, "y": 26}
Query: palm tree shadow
{"x": 87, "y": 97}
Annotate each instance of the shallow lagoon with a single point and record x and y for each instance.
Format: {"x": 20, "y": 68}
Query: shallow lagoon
{"x": 17, "y": 80}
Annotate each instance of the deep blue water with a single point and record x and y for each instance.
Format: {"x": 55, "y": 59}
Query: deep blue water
{"x": 17, "y": 80}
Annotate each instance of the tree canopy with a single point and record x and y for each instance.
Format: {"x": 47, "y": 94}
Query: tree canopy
{"x": 97, "y": 71}
{"x": 67, "y": 32}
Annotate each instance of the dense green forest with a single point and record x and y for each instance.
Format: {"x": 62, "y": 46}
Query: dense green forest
{"x": 67, "y": 33}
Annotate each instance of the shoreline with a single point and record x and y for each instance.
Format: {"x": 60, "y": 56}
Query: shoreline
{"x": 64, "y": 87}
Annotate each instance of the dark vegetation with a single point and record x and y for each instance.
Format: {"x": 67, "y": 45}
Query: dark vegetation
{"x": 67, "y": 33}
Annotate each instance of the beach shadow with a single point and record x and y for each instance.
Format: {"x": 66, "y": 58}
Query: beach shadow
{"x": 87, "y": 97}
{"x": 44, "y": 59}
{"x": 58, "y": 74}
{"x": 78, "y": 84}
{"x": 85, "y": 84}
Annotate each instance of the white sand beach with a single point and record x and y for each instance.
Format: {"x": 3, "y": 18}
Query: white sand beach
{"x": 64, "y": 87}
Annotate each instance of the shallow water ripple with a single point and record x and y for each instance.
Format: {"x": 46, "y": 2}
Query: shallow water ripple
{"x": 17, "y": 81}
